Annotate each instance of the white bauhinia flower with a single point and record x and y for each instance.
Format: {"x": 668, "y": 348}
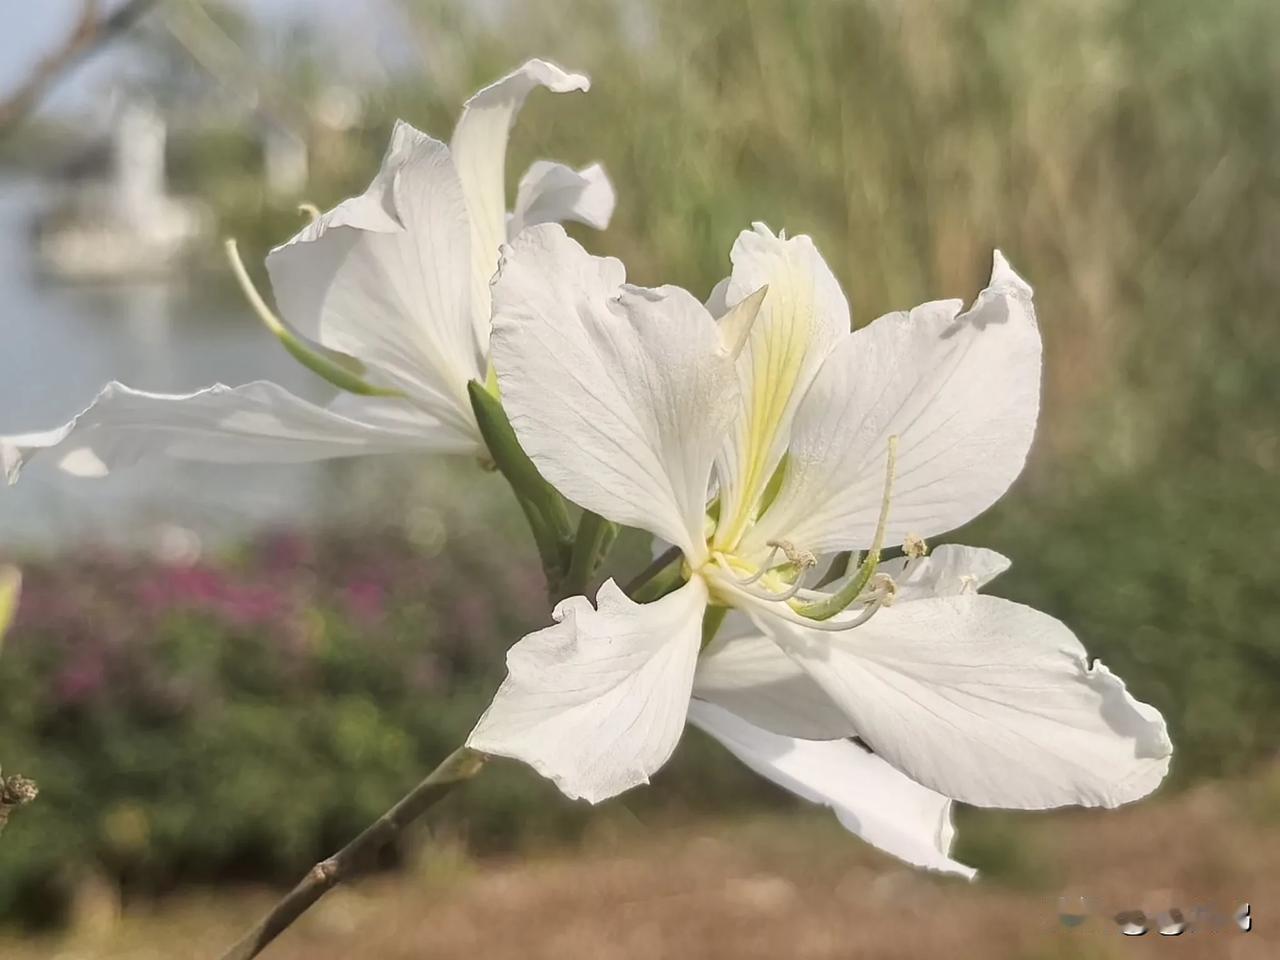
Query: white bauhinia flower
{"x": 754, "y": 443}
{"x": 386, "y": 295}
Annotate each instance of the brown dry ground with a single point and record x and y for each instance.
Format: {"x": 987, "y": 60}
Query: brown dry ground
{"x": 777, "y": 886}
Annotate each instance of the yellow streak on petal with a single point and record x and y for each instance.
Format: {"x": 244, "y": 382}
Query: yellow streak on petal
{"x": 779, "y": 345}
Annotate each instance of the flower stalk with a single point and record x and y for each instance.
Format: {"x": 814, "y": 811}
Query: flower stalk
{"x": 461, "y": 765}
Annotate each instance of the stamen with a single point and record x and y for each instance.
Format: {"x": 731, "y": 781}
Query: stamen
{"x": 884, "y": 589}
{"x": 867, "y": 613}
{"x": 790, "y": 591}
{"x": 764, "y": 567}
{"x": 311, "y": 210}
{"x": 788, "y": 612}
{"x": 851, "y": 591}
{"x": 803, "y": 559}
{"x": 338, "y": 368}
{"x": 746, "y": 584}
{"x": 914, "y": 546}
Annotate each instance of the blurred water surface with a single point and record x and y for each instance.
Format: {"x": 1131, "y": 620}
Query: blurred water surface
{"x": 61, "y": 343}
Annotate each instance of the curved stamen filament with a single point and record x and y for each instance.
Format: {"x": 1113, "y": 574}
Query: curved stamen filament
{"x": 747, "y": 584}
{"x": 827, "y": 608}
{"x": 790, "y": 592}
{"x": 764, "y": 567}
{"x": 341, "y": 370}
{"x": 787, "y": 612}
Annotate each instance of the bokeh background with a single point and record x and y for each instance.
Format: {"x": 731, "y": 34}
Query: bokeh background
{"x": 218, "y": 675}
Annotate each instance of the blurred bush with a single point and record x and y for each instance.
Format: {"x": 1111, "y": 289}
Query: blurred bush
{"x": 241, "y": 717}
{"x": 245, "y": 717}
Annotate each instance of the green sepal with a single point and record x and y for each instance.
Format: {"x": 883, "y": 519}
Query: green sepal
{"x": 711, "y": 621}
{"x": 546, "y": 510}
{"x": 595, "y": 537}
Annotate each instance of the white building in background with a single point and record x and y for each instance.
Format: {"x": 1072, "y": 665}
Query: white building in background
{"x": 121, "y": 222}
{"x": 284, "y": 162}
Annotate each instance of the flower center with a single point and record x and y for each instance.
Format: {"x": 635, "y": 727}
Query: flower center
{"x": 778, "y": 583}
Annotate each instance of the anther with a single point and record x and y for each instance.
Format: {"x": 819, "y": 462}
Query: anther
{"x": 914, "y": 546}
{"x": 884, "y": 589}
{"x": 803, "y": 559}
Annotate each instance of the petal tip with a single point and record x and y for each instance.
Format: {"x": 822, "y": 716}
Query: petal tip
{"x": 1003, "y": 275}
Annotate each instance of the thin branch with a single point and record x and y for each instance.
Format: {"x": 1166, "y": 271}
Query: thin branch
{"x": 660, "y": 563}
{"x": 91, "y": 31}
{"x": 460, "y": 765}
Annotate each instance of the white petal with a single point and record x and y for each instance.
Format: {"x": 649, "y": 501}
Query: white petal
{"x": 479, "y": 148}
{"x": 620, "y": 395}
{"x": 552, "y": 193}
{"x": 961, "y": 393}
{"x": 750, "y": 675}
{"x": 988, "y": 702}
{"x": 948, "y": 571}
{"x": 803, "y": 318}
{"x": 259, "y": 422}
{"x": 718, "y": 300}
{"x": 870, "y": 798}
{"x": 597, "y": 702}
{"x": 384, "y": 277}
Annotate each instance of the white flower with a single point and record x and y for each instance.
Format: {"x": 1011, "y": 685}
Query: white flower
{"x": 389, "y": 291}
{"x": 635, "y": 403}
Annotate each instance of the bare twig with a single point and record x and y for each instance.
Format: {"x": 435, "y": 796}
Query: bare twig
{"x": 660, "y": 563}
{"x": 91, "y": 31}
{"x": 460, "y": 765}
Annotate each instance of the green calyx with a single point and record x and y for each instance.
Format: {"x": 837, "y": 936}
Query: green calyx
{"x": 569, "y": 557}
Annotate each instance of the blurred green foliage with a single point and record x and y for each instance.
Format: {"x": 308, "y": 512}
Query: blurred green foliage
{"x": 1121, "y": 153}
{"x": 245, "y": 717}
